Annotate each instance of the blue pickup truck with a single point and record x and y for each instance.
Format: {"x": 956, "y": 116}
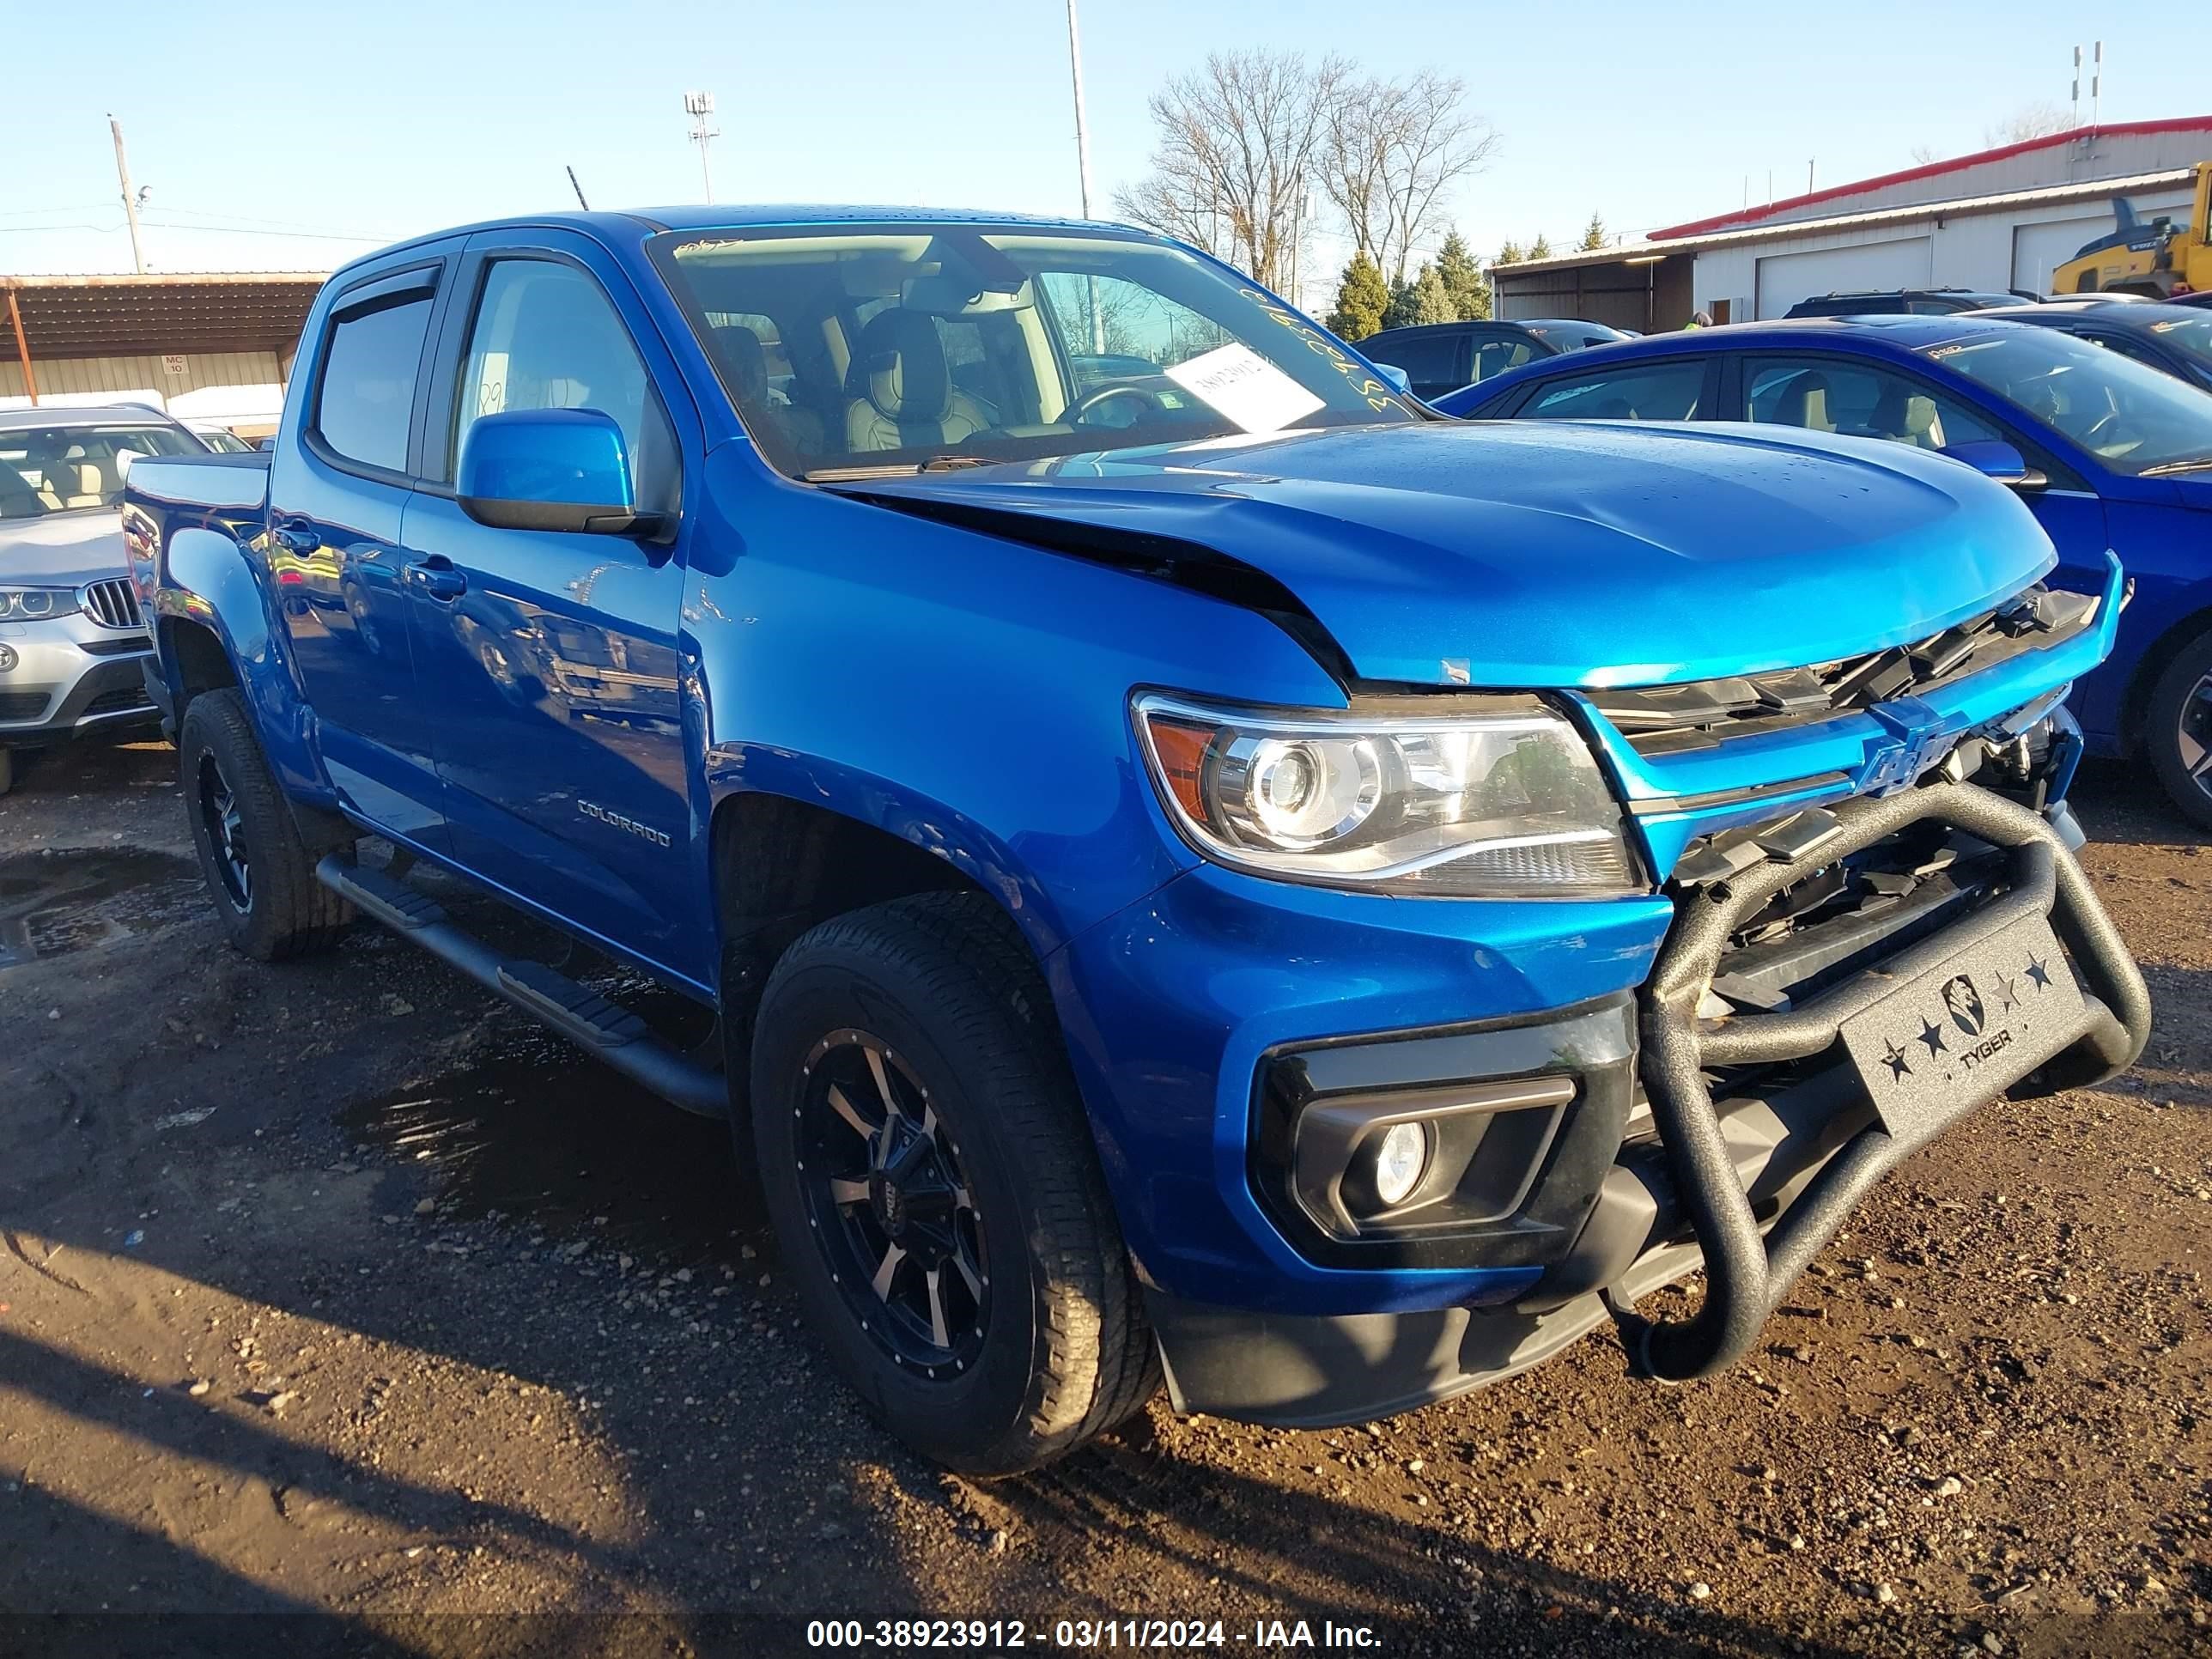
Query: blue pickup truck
{"x": 1209, "y": 873}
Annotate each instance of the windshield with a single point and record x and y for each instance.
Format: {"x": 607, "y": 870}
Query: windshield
{"x": 2133, "y": 418}
{"x": 2188, "y": 336}
{"x": 59, "y": 469}
{"x": 872, "y": 348}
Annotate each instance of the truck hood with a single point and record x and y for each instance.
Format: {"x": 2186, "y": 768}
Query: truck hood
{"x": 1505, "y": 554}
{"x": 62, "y": 550}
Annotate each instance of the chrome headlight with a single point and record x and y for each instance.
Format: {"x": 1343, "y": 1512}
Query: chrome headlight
{"x": 1499, "y": 797}
{"x": 37, "y": 603}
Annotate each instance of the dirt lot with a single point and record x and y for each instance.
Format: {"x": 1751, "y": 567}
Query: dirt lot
{"x": 336, "y": 1291}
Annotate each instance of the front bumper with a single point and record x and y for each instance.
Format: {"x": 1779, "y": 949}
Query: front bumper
{"x": 72, "y": 676}
{"x": 1750, "y": 1184}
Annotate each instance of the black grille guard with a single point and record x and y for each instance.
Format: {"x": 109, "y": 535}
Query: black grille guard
{"x": 1747, "y": 1274}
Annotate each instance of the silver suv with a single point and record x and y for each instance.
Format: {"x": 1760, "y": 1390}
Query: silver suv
{"x": 71, "y": 636}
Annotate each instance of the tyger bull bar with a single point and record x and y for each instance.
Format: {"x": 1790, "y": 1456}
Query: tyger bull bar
{"x": 1945, "y": 1025}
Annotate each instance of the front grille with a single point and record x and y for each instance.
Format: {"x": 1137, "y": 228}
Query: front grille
{"x": 1665, "y": 720}
{"x": 23, "y": 705}
{"x": 112, "y": 604}
{"x": 115, "y": 702}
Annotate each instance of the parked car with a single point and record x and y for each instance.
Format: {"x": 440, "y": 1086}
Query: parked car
{"x": 71, "y": 638}
{"x": 2200, "y": 301}
{"x": 1219, "y": 876}
{"x": 1915, "y": 301}
{"x": 1441, "y": 358}
{"x": 2117, "y": 455}
{"x": 220, "y": 439}
{"x": 2175, "y": 339}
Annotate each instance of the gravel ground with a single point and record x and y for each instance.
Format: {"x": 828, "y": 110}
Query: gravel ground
{"x": 336, "y": 1292}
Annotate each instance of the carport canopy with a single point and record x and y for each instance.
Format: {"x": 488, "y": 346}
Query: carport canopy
{"x": 50, "y": 317}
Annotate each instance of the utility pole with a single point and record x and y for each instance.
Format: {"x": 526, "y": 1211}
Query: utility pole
{"x": 699, "y": 106}
{"x": 1082, "y": 134}
{"x": 129, "y": 201}
{"x": 1083, "y": 170}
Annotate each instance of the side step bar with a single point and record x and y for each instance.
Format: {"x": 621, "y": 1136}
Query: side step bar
{"x": 601, "y": 1028}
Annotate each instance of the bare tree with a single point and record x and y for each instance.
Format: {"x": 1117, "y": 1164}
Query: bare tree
{"x": 1394, "y": 148}
{"x": 1238, "y": 142}
{"x": 1923, "y": 154}
{"x": 2036, "y": 120}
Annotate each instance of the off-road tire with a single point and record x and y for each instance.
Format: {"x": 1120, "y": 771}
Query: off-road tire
{"x": 287, "y": 913}
{"x": 2162, "y": 715}
{"x": 945, "y": 980}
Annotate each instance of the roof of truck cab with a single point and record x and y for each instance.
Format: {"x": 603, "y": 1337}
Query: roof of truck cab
{"x": 615, "y": 228}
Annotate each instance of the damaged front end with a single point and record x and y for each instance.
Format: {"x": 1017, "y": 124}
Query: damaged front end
{"x": 1857, "y": 959}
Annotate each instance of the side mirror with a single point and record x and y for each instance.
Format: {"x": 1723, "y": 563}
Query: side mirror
{"x": 1400, "y": 382}
{"x": 1994, "y": 458}
{"x": 550, "y": 469}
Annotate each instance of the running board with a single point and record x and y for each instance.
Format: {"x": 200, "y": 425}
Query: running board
{"x": 601, "y": 1028}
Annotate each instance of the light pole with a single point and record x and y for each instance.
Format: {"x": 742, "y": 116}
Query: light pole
{"x": 699, "y": 106}
{"x": 1083, "y": 168}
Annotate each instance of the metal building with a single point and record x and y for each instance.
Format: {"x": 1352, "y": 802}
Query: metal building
{"x": 1998, "y": 219}
{"x": 213, "y": 347}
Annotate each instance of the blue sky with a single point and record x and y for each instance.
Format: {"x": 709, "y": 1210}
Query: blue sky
{"x": 378, "y": 122}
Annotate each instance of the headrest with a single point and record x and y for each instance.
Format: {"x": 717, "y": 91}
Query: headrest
{"x": 899, "y": 366}
{"x": 748, "y": 361}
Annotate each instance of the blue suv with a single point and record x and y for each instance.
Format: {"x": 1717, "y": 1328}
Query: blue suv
{"x": 1209, "y": 873}
{"x": 2108, "y": 452}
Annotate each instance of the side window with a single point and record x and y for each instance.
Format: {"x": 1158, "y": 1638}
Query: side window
{"x": 546, "y": 338}
{"x": 1671, "y": 391}
{"x": 366, "y": 393}
{"x": 1859, "y": 400}
{"x": 1430, "y": 360}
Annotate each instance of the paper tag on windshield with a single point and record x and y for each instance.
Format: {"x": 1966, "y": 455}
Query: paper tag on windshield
{"x": 1244, "y": 387}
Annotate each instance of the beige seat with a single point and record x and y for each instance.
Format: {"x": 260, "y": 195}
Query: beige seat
{"x": 901, "y": 391}
{"x": 89, "y": 486}
{"x": 1804, "y": 402}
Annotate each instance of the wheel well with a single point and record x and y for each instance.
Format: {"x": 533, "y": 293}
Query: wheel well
{"x": 2168, "y": 646}
{"x": 782, "y": 865}
{"x": 201, "y": 664}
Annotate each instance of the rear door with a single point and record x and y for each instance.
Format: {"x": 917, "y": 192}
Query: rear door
{"x": 337, "y": 489}
{"x": 549, "y": 659}
{"x": 1661, "y": 389}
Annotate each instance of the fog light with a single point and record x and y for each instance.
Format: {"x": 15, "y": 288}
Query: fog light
{"x": 1399, "y": 1162}
{"x": 7, "y": 658}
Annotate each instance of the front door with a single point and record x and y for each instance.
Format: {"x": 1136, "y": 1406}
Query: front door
{"x": 549, "y": 659}
{"x": 338, "y": 486}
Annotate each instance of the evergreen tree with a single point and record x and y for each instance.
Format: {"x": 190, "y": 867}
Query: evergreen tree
{"x": 1432, "y": 300}
{"x": 1465, "y": 286}
{"x": 1511, "y": 254}
{"x": 1594, "y": 236}
{"x": 1404, "y": 310}
{"x": 1541, "y": 247}
{"x": 1362, "y": 297}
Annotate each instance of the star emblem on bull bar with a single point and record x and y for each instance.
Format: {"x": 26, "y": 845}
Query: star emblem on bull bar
{"x": 2039, "y": 969}
{"x": 1899, "y": 1067}
{"x": 2009, "y": 991}
{"x": 1932, "y": 1035}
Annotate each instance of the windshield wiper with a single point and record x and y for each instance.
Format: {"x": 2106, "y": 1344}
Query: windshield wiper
{"x": 895, "y": 469}
{"x": 2164, "y": 469}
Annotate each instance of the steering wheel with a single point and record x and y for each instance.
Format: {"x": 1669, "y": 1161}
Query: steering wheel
{"x": 1105, "y": 394}
{"x": 2111, "y": 436}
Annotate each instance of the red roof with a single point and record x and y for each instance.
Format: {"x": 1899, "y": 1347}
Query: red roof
{"x": 1769, "y": 210}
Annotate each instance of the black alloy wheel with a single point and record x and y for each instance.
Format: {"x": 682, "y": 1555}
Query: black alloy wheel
{"x": 225, "y": 828}
{"x": 886, "y": 1196}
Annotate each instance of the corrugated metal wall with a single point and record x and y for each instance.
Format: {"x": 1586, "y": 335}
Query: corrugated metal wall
{"x": 1973, "y": 250}
{"x": 212, "y": 384}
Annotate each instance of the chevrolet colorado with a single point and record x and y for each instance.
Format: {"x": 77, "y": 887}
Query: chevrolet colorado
{"x": 1207, "y": 873}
